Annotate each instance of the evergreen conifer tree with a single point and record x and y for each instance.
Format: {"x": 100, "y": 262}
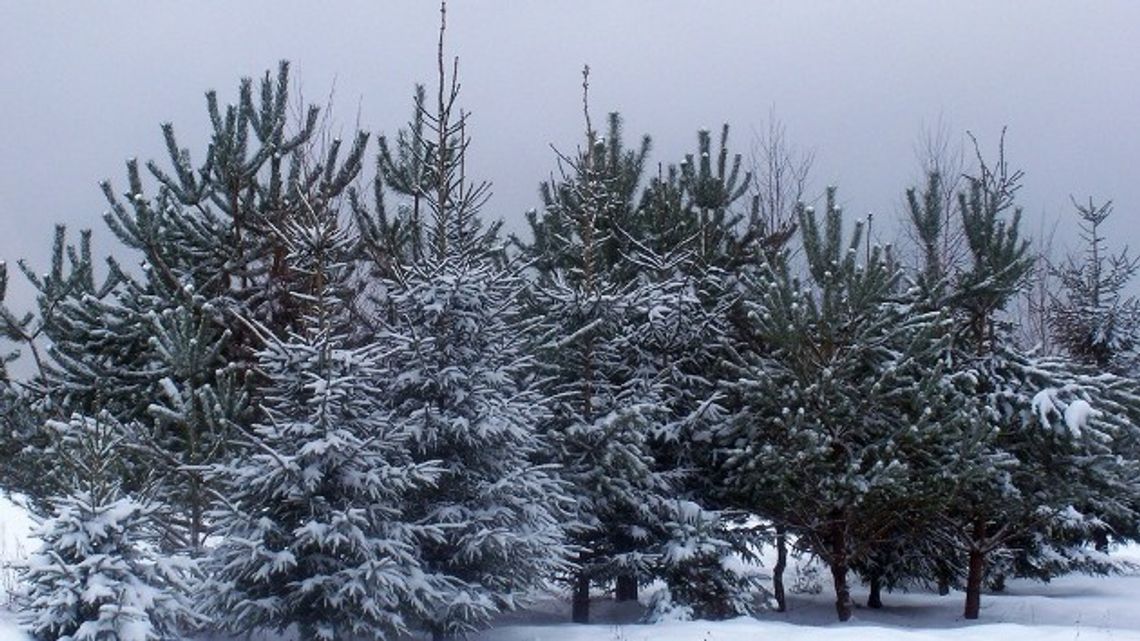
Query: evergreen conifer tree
{"x": 313, "y": 523}
{"x": 1025, "y": 423}
{"x": 23, "y": 446}
{"x": 98, "y": 574}
{"x": 162, "y": 345}
{"x": 455, "y": 383}
{"x": 554, "y": 246}
{"x": 603, "y": 411}
{"x": 1093, "y": 320}
{"x": 690, "y": 205}
{"x": 818, "y": 446}
{"x": 626, "y": 280}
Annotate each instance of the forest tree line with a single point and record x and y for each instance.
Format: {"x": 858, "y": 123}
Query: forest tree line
{"x": 321, "y": 389}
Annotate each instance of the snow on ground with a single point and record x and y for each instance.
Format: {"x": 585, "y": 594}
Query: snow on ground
{"x": 9, "y": 631}
{"x": 15, "y": 544}
{"x": 1074, "y": 607}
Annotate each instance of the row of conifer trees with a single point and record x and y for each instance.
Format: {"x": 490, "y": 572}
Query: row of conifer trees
{"x": 358, "y": 408}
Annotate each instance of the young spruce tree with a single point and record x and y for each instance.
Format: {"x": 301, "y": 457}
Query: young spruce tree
{"x": 454, "y": 379}
{"x": 98, "y": 573}
{"x": 313, "y": 522}
{"x": 603, "y": 412}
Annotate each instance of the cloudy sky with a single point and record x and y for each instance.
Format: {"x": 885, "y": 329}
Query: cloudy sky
{"x": 86, "y": 85}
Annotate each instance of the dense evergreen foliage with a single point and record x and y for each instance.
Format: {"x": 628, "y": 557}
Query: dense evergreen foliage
{"x": 359, "y": 413}
{"x": 98, "y": 573}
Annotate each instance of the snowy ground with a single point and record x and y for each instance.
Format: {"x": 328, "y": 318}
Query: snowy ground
{"x": 1076, "y": 607}
{"x": 1071, "y": 608}
{"x": 15, "y": 537}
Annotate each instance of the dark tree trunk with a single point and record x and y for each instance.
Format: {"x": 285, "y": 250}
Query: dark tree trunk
{"x": 580, "y": 606}
{"x": 976, "y": 573}
{"x": 875, "y": 599}
{"x": 626, "y": 589}
{"x": 839, "y": 564}
{"x": 196, "y": 510}
{"x": 997, "y": 583}
{"x": 943, "y": 585}
{"x": 1100, "y": 540}
{"x": 974, "y": 584}
{"x": 778, "y": 571}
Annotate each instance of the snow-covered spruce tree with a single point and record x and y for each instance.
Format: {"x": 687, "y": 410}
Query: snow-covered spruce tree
{"x": 98, "y": 573}
{"x": 1092, "y": 318}
{"x": 819, "y": 444}
{"x": 692, "y": 213}
{"x": 679, "y": 340}
{"x": 699, "y": 562}
{"x": 633, "y": 276}
{"x": 311, "y": 513}
{"x": 603, "y": 412}
{"x": 454, "y": 377}
{"x": 454, "y": 382}
{"x": 603, "y": 416}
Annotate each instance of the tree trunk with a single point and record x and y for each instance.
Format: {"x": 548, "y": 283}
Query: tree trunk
{"x": 944, "y": 578}
{"x": 875, "y": 599}
{"x": 196, "y": 510}
{"x": 580, "y": 606}
{"x": 778, "y": 571}
{"x": 974, "y": 584}
{"x": 626, "y": 589}
{"x": 976, "y": 572}
{"x": 839, "y": 563}
{"x": 1100, "y": 540}
{"x": 997, "y": 583}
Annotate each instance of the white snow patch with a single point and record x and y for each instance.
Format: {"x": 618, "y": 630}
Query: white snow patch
{"x": 16, "y": 543}
{"x": 1077, "y": 415}
{"x": 1044, "y": 407}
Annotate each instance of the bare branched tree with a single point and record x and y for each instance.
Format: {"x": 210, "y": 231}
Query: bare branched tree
{"x": 1031, "y": 308}
{"x": 781, "y": 177}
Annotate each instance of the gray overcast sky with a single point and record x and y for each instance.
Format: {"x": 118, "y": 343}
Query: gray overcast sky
{"x": 86, "y": 84}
